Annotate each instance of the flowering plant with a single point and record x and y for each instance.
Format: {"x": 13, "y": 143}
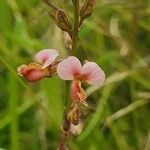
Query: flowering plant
{"x": 46, "y": 64}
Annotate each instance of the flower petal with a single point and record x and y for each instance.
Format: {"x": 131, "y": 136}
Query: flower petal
{"x": 77, "y": 93}
{"x": 76, "y": 129}
{"x": 92, "y": 73}
{"x": 68, "y": 68}
{"x": 46, "y": 57}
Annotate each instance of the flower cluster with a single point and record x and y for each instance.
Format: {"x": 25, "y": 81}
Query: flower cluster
{"x": 47, "y": 64}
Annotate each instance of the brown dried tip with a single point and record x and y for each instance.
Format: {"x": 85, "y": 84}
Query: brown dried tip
{"x": 62, "y": 21}
{"x": 87, "y": 8}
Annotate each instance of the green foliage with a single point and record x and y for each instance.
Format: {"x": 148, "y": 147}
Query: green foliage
{"x": 116, "y": 36}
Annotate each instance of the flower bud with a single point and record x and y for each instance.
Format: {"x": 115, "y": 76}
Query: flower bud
{"x": 32, "y": 72}
{"x": 62, "y": 21}
{"x": 74, "y": 115}
{"x": 67, "y": 41}
{"x": 66, "y": 125}
{"x": 87, "y": 8}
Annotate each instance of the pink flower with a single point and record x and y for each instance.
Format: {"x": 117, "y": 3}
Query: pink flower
{"x": 46, "y": 57}
{"x": 35, "y": 72}
{"x": 71, "y": 69}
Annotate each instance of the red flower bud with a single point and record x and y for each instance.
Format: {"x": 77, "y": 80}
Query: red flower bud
{"x": 32, "y": 72}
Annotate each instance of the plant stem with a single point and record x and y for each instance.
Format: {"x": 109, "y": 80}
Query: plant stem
{"x": 76, "y": 25}
{"x": 66, "y": 102}
{"x": 74, "y": 39}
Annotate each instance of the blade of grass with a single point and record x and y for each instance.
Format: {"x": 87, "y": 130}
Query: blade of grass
{"x": 119, "y": 138}
{"x": 53, "y": 97}
{"x": 124, "y": 111}
{"x": 147, "y": 146}
{"x": 13, "y": 99}
{"x": 99, "y": 111}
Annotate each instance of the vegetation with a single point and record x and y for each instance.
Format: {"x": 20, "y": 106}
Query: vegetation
{"x": 116, "y": 36}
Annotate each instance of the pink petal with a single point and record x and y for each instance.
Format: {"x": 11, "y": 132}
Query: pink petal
{"x": 68, "y": 68}
{"x": 46, "y": 57}
{"x": 77, "y": 93}
{"x": 92, "y": 73}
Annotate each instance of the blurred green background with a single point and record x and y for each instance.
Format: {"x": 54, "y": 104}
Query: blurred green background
{"x": 116, "y": 36}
